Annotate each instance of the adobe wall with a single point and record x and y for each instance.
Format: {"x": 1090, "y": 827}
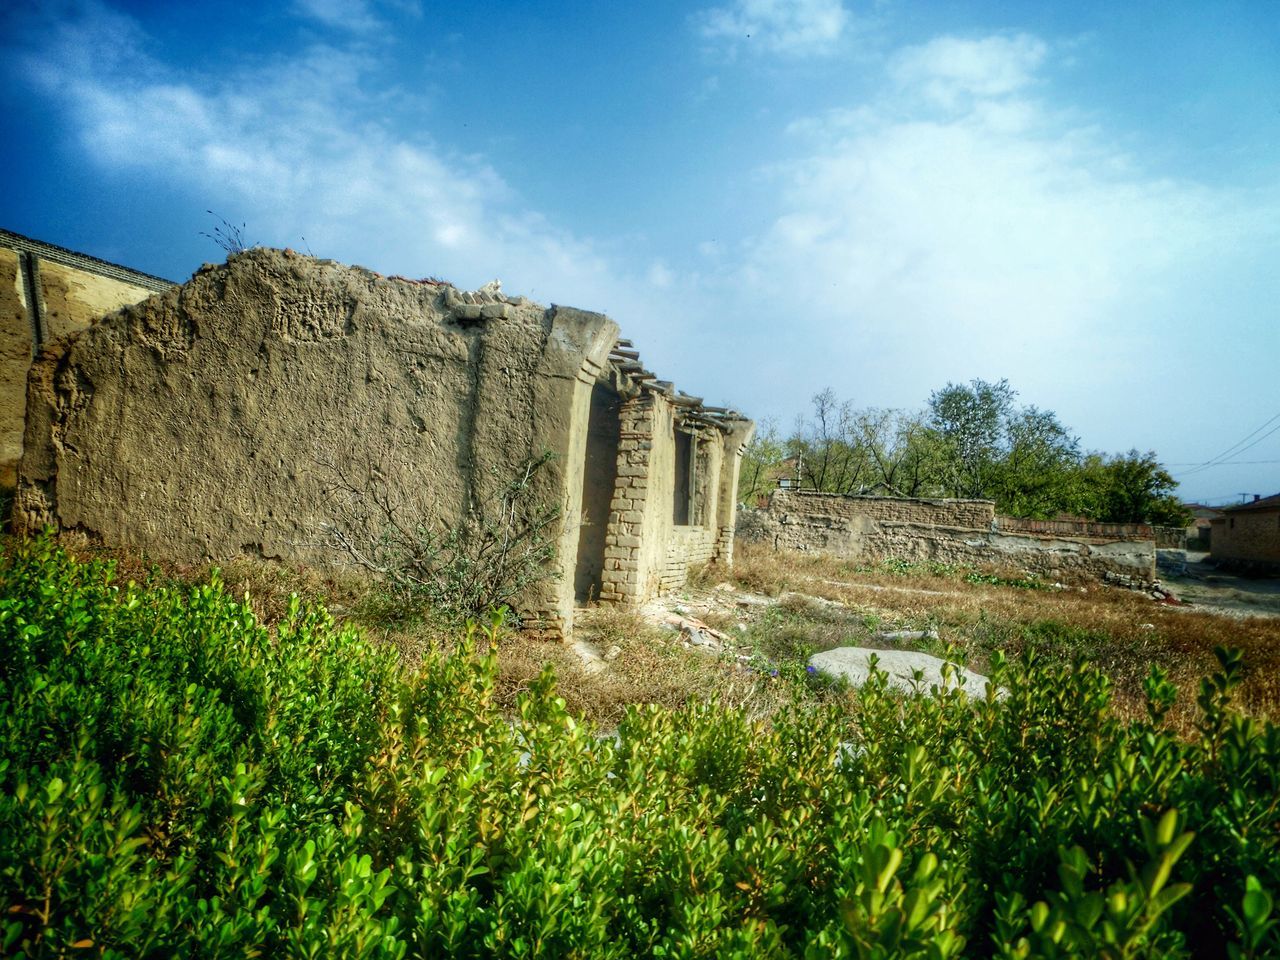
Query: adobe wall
{"x": 47, "y": 292}
{"x": 213, "y": 419}
{"x": 960, "y": 532}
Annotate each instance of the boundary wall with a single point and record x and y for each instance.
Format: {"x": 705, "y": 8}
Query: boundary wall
{"x": 948, "y": 531}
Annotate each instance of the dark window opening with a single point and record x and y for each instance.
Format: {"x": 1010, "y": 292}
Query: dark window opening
{"x": 599, "y": 477}
{"x": 685, "y": 448}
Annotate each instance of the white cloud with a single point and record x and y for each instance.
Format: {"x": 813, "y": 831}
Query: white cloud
{"x": 298, "y": 148}
{"x": 791, "y": 28}
{"x": 949, "y": 70}
{"x": 354, "y": 16}
{"x": 999, "y": 237}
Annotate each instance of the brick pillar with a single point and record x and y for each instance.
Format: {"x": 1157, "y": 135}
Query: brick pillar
{"x": 620, "y": 582}
{"x": 737, "y": 435}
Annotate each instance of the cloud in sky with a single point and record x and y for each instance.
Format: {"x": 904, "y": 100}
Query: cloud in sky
{"x": 354, "y": 16}
{"x": 959, "y": 226}
{"x": 961, "y": 216}
{"x": 947, "y": 69}
{"x": 789, "y": 28}
{"x": 305, "y": 143}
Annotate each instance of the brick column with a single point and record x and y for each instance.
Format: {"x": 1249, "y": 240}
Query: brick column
{"x": 621, "y": 579}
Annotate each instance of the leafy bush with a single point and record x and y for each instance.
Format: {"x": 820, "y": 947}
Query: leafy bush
{"x": 177, "y": 780}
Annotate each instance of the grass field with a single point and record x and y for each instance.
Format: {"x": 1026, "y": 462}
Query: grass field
{"x": 779, "y": 608}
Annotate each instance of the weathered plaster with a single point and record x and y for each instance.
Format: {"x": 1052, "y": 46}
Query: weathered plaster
{"x": 214, "y": 420}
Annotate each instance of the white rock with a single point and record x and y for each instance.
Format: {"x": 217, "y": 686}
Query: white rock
{"x": 854, "y": 664}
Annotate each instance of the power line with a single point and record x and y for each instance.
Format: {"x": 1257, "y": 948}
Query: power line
{"x": 1240, "y": 446}
{"x": 1224, "y": 463}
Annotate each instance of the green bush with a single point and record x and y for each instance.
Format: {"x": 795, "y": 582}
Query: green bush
{"x": 176, "y": 779}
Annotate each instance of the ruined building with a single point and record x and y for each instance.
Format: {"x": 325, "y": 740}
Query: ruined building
{"x": 231, "y": 415}
{"x": 47, "y": 292}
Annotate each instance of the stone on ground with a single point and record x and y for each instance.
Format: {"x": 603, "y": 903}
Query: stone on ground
{"x": 854, "y": 664}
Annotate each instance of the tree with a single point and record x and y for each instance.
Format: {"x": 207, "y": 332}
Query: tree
{"x": 900, "y": 450}
{"x": 830, "y": 456}
{"x": 1023, "y": 458}
{"x": 1131, "y": 488}
{"x": 970, "y": 421}
{"x": 1037, "y": 473}
{"x": 761, "y": 462}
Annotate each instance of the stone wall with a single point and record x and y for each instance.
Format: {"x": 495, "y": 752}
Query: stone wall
{"x": 47, "y": 292}
{"x": 947, "y": 531}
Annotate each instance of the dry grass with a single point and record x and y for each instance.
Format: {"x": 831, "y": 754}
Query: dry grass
{"x": 650, "y": 667}
{"x": 1121, "y": 631}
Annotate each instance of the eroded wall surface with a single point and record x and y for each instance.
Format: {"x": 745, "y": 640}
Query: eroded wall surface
{"x": 47, "y": 292}
{"x": 246, "y": 412}
{"x": 17, "y": 341}
{"x": 947, "y": 531}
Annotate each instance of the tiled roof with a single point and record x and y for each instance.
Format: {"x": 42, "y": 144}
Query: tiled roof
{"x": 1265, "y": 503}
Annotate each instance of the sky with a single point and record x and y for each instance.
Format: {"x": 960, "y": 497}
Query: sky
{"x": 771, "y": 197}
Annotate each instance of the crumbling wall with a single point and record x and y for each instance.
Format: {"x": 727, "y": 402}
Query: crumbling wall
{"x": 215, "y": 419}
{"x": 48, "y": 292}
{"x": 947, "y": 531}
{"x": 647, "y": 550}
{"x": 17, "y": 340}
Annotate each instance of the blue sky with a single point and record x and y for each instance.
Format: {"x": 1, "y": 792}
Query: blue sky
{"x": 770, "y": 196}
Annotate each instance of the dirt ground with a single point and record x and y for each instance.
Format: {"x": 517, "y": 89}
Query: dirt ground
{"x": 1207, "y": 588}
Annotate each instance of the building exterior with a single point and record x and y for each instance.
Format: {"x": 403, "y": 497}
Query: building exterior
{"x": 1248, "y": 535}
{"x": 45, "y": 292}
{"x": 288, "y": 408}
{"x": 1200, "y": 530}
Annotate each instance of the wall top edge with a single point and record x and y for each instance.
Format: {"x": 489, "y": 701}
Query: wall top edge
{"x": 83, "y": 261}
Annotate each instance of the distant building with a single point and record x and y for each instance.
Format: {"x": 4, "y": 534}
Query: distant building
{"x": 1200, "y": 529}
{"x": 1248, "y": 535}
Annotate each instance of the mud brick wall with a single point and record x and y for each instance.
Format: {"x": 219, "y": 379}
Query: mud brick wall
{"x": 958, "y": 532}
{"x": 622, "y": 555}
{"x": 48, "y": 292}
{"x": 688, "y": 547}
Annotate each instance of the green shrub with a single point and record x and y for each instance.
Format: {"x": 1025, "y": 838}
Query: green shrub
{"x": 177, "y": 780}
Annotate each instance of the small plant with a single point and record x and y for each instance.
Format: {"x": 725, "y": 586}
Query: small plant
{"x": 502, "y": 550}
{"x": 1029, "y": 582}
{"x": 228, "y": 236}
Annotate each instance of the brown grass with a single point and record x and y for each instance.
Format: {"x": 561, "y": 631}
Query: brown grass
{"x": 1121, "y": 631}
{"x": 651, "y": 667}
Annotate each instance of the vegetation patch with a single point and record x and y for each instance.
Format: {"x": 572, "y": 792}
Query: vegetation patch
{"x": 176, "y": 779}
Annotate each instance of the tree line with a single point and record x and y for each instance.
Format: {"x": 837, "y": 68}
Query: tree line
{"x": 972, "y": 440}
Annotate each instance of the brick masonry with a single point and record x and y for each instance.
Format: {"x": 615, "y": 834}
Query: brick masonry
{"x": 1249, "y": 536}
